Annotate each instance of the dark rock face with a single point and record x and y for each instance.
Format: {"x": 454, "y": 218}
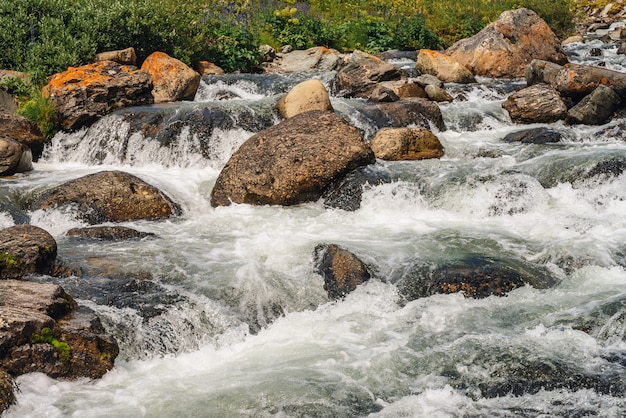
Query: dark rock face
{"x": 41, "y": 330}
{"x": 539, "y": 103}
{"x": 108, "y": 233}
{"x": 14, "y": 157}
{"x": 82, "y": 95}
{"x": 24, "y": 131}
{"x": 7, "y": 392}
{"x": 291, "y": 162}
{"x": 362, "y": 73}
{"x": 342, "y": 270}
{"x": 476, "y": 276}
{"x": 505, "y": 47}
{"x": 25, "y": 249}
{"x": 414, "y": 111}
{"x": 109, "y": 196}
{"x": 595, "y": 108}
{"x": 534, "y": 136}
{"x": 347, "y": 192}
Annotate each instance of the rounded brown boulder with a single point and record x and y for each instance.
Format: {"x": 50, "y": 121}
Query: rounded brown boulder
{"x": 109, "y": 196}
{"x": 306, "y": 96}
{"x": 173, "y": 80}
{"x": 342, "y": 270}
{"x": 292, "y": 162}
{"x": 14, "y": 157}
{"x": 395, "y": 144}
{"x": 25, "y": 249}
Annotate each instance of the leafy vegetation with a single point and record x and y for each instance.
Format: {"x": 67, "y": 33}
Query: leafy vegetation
{"x": 47, "y": 336}
{"x": 47, "y": 36}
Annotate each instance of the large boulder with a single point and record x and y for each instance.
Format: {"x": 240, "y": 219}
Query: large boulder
{"x": 539, "y": 103}
{"x": 292, "y": 162}
{"x": 109, "y": 196}
{"x": 26, "y": 249}
{"x": 342, "y": 271}
{"x": 577, "y": 81}
{"x": 443, "y": 67}
{"x": 306, "y": 96}
{"x": 23, "y": 131}
{"x": 539, "y": 71}
{"x": 82, "y": 95}
{"x": 506, "y": 46}
{"x": 396, "y": 144}
{"x": 14, "y": 157}
{"x": 121, "y": 56}
{"x": 173, "y": 80}
{"x": 314, "y": 59}
{"x": 362, "y": 74}
{"x": 41, "y": 330}
{"x": 596, "y": 108}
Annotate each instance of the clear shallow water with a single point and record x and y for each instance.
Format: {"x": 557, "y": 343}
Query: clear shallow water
{"x": 246, "y": 328}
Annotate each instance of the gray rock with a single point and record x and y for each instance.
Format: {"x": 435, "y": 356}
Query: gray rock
{"x": 539, "y": 103}
{"x": 594, "y": 109}
{"x": 26, "y": 249}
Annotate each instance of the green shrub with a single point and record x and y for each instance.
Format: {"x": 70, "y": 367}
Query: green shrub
{"x": 40, "y": 110}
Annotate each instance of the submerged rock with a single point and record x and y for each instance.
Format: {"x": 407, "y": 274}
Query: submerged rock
{"x": 82, "y": 95}
{"x": 342, "y": 271}
{"x": 346, "y": 193}
{"x": 109, "y": 196}
{"x": 534, "y": 136}
{"x": 506, "y": 46}
{"x": 108, "y": 233}
{"x": 26, "y": 249}
{"x": 41, "y": 330}
{"x": 475, "y": 276}
{"x": 292, "y": 162}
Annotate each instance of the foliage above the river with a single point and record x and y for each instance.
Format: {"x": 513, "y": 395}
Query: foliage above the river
{"x": 47, "y": 36}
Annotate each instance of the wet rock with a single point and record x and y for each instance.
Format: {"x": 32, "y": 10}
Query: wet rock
{"x": 24, "y": 131}
{"x": 595, "y": 52}
{"x": 621, "y": 50}
{"x": 443, "y": 67}
{"x": 361, "y": 75}
{"x": 506, "y": 46}
{"x": 346, "y": 193}
{"x": 395, "y": 55}
{"x": 342, "y": 271}
{"x": 291, "y": 162}
{"x": 418, "y": 112}
{"x": 596, "y": 108}
{"x": 25, "y": 249}
{"x": 539, "y": 103}
{"x": 209, "y": 68}
{"x": 306, "y": 96}
{"x": 121, "y": 56}
{"x": 14, "y": 157}
{"x": 172, "y": 79}
{"x": 82, "y": 95}
{"x": 317, "y": 59}
{"x": 42, "y": 331}
{"x": 109, "y": 196}
{"x": 610, "y": 168}
{"x": 476, "y": 276}
{"x": 539, "y": 71}
{"x": 534, "y": 136}
{"x": 383, "y": 94}
{"x": 108, "y": 233}
{"x": 577, "y": 81}
{"x": 7, "y": 391}
{"x": 406, "y": 90}
{"x": 397, "y": 144}
{"x": 437, "y": 94}
{"x": 427, "y": 79}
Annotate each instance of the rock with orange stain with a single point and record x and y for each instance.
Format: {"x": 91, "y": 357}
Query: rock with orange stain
{"x": 83, "y": 94}
{"x": 173, "y": 80}
{"x": 443, "y": 67}
{"x": 505, "y": 47}
{"x": 208, "y": 68}
{"x": 576, "y": 81}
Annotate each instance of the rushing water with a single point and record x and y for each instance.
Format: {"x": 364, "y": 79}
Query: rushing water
{"x": 235, "y": 322}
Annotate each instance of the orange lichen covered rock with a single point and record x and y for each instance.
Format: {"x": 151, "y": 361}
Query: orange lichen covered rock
{"x": 173, "y": 79}
{"x": 83, "y": 94}
{"x": 505, "y": 47}
{"x": 443, "y": 67}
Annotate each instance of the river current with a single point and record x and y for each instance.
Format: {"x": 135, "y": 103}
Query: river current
{"x": 236, "y": 322}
